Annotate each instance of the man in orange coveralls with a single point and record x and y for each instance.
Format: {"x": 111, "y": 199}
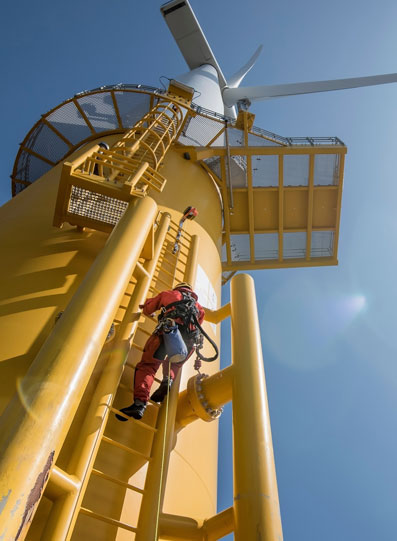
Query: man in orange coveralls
{"x": 154, "y": 351}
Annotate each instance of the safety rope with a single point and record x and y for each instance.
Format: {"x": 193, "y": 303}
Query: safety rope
{"x": 200, "y": 345}
{"x": 163, "y": 454}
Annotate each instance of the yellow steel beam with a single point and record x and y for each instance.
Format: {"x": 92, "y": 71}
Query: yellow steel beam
{"x": 280, "y": 207}
{"x": 61, "y": 483}
{"x": 35, "y": 429}
{"x": 178, "y": 528}
{"x": 202, "y": 153}
{"x": 86, "y": 120}
{"x": 116, "y": 109}
{"x": 285, "y": 229}
{"x": 226, "y": 211}
{"x": 256, "y": 505}
{"x": 59, "y": 134}
{"x": 216, "y": 136}
{"x": 285, "y": 264}
{"x": 339, "y": 203}
{"x": 219, "y": 525}
{"x": 216, "y": 316}
{"x": 310, "y": 207}
{"x": 251, "y": 216}
{"x": 37, "y": 155}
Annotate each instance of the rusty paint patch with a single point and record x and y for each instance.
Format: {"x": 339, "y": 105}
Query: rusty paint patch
{"x": 35, "y": 495}
{"x": 4, "y": 500}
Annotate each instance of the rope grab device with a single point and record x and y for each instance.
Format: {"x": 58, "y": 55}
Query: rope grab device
{"x": 189, "y": 213}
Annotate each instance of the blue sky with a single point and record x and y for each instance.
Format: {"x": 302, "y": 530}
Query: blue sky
{"x": 328, "y": 333}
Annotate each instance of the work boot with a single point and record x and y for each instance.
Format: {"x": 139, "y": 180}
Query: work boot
{"x": 136, "y": 410}
{"x": 162, "y": 391}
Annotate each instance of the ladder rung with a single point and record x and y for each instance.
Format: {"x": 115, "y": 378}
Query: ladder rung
{"x": 166, "y": 272}
{"x": 145, "y": 331}
{"x": 157, "y": 279}
{"x": 125, "y": 387}
{"x": 128, "y": 389}
{"x": 154, "y": 319}
{"x": 175, "y": 227}
{"x": 157, "y": 380}
{"x": 155, "y": 404}
{"x": 125, "y": 448}
{"x": 179, "y": 242}
{"x": 142, "y": 269}
{"x": 176, "y": 258}
{"x": 99, "y": 473}
{"x": 135, "y": 421}
{"x": 109, "y": 520}
{"x": 167, "y": 252}
{"x": 152, "y": 288}
{"x": 137, "y": 346}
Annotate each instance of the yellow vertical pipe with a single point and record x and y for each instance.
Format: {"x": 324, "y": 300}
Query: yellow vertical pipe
{"x": 64, "y": 511}
{"x": 156, "y": 477}
{"x": 191, "y": 265}
{"x": 34, "y": 425}
{"x": 256, "y": 504}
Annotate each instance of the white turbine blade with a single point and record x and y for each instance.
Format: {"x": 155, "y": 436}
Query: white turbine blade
{"x": 236, "y": 79}
{"x": 189, "y": 36}
{"x": 233, "y": 95}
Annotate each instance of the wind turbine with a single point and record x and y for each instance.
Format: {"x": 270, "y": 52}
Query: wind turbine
{"x": 223, "y": 95}
{"x": 89, "y": 163}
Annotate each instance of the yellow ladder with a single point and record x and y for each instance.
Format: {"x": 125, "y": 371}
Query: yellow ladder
{"x": 116, "y": 443}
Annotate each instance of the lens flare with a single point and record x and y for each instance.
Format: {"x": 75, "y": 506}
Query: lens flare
{"x": 304, "y": 323}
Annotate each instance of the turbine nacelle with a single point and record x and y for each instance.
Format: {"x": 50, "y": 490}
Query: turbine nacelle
{"x": 220, "y": 95}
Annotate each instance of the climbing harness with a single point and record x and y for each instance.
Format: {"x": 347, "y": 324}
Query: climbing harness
{"x": 186, "y": 311}
{"x": 188, "y": 214}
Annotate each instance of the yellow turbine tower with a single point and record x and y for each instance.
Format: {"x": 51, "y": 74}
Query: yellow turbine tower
{"x": 91, "y": 232}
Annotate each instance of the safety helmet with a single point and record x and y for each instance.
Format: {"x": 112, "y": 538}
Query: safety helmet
{"x": 183, "y": 285}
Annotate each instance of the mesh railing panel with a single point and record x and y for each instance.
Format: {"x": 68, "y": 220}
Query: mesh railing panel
{"x": 240, "y": 247}
{"x": 294, "y": 245}
{"x": 100, "y": 111}
{"x": 199, "y": 131}
{"x": 296, "y": 170}
{"x": 266, "y": 246}
{"x": 264, "y": 171}
{"x": 326, "y": 169}
{"x": 96, "y": 206}
{"x": 68, "y": 121}
{"x": 132, "y": 106}
{"x": 49, "y": 144}
{"x": 256, "y": 141}
{"x": 18, "y": 187}
{"x": 322, "y": 244}
{"x": 31, "y": 168}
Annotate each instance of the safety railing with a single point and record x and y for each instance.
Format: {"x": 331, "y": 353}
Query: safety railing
{"x": 95, "y": 190}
